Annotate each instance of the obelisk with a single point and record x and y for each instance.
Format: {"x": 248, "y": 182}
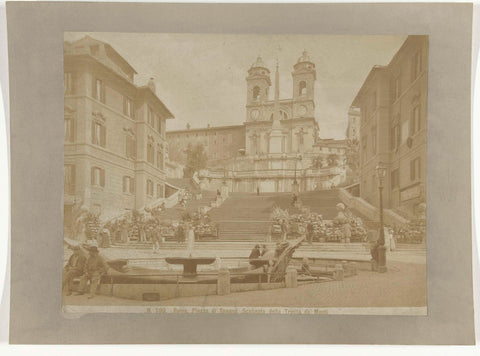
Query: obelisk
{"x": 276, "y": 132}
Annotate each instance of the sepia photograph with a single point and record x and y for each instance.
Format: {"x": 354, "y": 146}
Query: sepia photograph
{"x": 244, "y": 173}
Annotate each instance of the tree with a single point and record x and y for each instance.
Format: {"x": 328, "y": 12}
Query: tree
{"x": 196, "y": 159}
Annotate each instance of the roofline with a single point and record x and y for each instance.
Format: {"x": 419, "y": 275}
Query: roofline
{"x": 121, "y": 57}
{"x": 131, "y": 83}
{"x": 147, "y": 89}
{"x": 373, "y": 71}
{"x": 107, "y": 45}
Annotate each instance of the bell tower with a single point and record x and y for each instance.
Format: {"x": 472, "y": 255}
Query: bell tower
{"x": 258, "y": 84}
{"x": 304, "y": 75}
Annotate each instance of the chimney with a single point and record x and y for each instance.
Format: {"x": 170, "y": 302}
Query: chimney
{"x": 151, "y": 85}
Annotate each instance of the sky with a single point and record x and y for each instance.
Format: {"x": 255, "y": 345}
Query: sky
{"x": 201, "y": 77}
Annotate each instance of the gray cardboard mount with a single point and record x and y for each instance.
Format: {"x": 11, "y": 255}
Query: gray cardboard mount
{"x": 35, "y": 41}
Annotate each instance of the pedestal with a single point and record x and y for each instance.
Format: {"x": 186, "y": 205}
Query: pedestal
{"x": 338, "y": 273}
{"x": 382, "y": 259}
{"x": 291, "y": 278}
{"x": 223, "y": 281}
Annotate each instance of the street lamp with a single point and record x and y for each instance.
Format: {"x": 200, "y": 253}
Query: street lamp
{"x": 381, "y": 171}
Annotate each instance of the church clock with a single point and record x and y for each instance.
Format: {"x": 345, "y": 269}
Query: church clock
{"x": 302, "y": 110}
{"x": 254, "y": 114}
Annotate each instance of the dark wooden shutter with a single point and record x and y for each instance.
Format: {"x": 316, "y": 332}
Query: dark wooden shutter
{"x": 93, "y": 133}
{"x": 94, "y": 88}
{"x": 103, "y": 136}
{"x": 102, "y": 92}
{"x": 102, "y": 177}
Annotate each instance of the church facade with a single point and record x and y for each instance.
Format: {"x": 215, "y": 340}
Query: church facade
{"x": 281, "y": 135}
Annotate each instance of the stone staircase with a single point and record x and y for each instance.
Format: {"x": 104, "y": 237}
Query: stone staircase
{"x": 246, "y": 216}
{"x": 243, "y": 217}
{"x": 176, "y": 212}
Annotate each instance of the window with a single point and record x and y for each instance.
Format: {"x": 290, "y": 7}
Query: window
{"x": 67, "y": 83}
{"x": 160, "y": 158}
{"x": 415, "y": 120}
{"x": 397, "y": 89}
{"x": 415, "y": 169}
{"x": 159, "y": 190}
{"x": 131, "y": 147}
{"x": 415, "y": 66}
{"x": 150, "y": 117}
{"x": 99, "y": 135}
{"x": 128, "y": 185}
{"x": 128, "y": 107}
{"x": 256, "y": 93}
{"x": 395, "y": 137}
{"x": 149, "y": 187}
{"x": 69, "y": 179}
{"x": 98, "y": 177}
{"x": 99, "y": 90}
{"x": 69, "y": 129}
{"x": 150, "y": 153}
{"x": 302, "y": 88}
{"x": 395, "y": 179}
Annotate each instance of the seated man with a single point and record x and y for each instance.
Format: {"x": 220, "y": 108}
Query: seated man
{"x": 74, "y": 268}
{"x": 255, "y": 253}
{"x": 95, "y": 268}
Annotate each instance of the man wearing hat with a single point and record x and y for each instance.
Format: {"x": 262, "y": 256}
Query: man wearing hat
{"x": 73, "y": 268}
{"x": 95, "y": 268}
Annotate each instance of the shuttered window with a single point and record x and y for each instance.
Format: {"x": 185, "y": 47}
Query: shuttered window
{"x": 128, "y": 107}
{"x": 128, "y": 185}
{"x": 150, "y": 153}
{"x": 98, "y": 177}
{"x": 99, "y": 134}
{"x": 69, "y": 129}
{"x": 98, "y": 90}
{"x": 131, "y": 147}
{"x": 149, "y": 187}
{"x": 415, "y": 169}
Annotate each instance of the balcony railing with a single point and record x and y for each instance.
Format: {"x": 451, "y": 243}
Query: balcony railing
{"x": 269, "y": 173}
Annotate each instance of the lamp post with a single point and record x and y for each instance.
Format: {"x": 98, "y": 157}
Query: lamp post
{"x": 382, "y": 258}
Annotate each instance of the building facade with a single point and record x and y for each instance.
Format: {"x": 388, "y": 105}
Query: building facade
{"x": 220, "y": 143}
{"x": 393, "y": 107}
{"x": 115, "y": 143}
